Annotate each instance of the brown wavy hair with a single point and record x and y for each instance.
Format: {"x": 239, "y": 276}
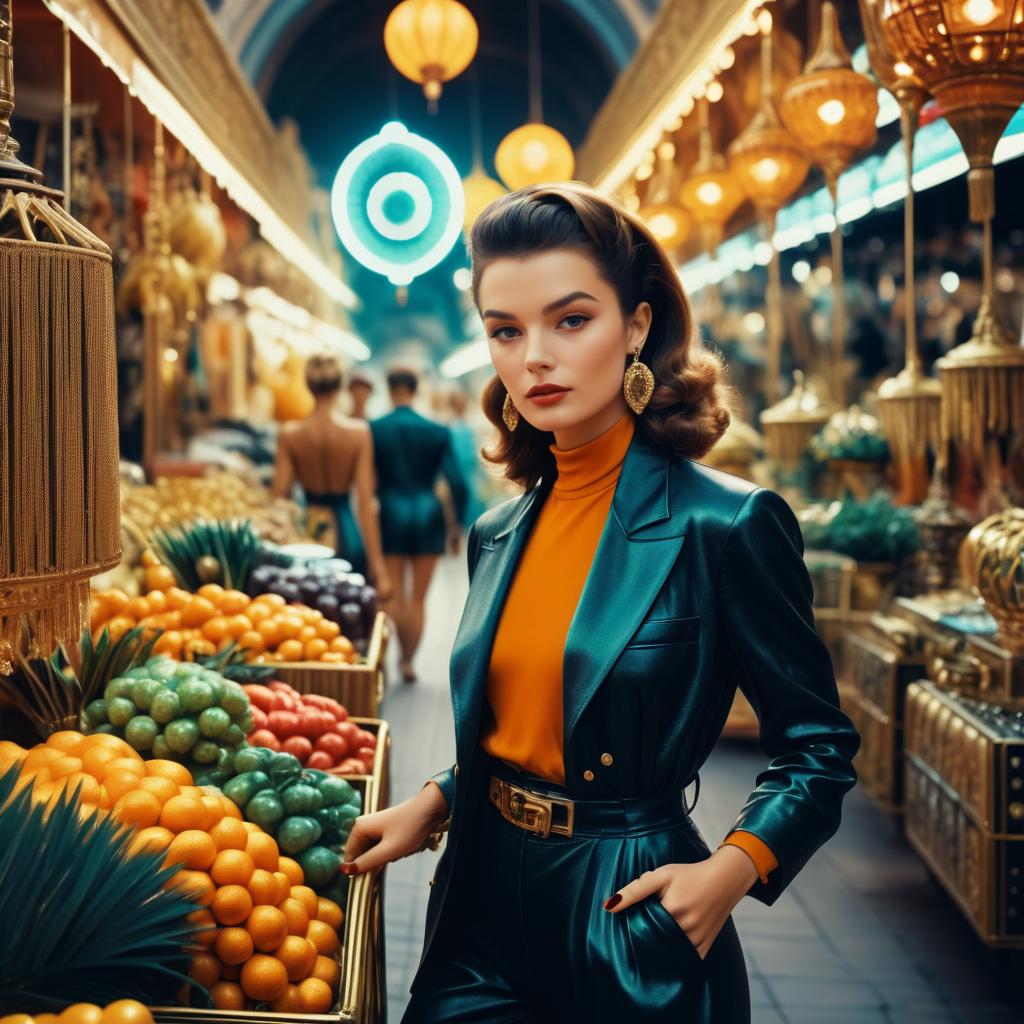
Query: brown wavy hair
{"x": 689, "y": 410}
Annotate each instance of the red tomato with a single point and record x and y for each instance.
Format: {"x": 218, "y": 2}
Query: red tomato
{"x": 281, "y": 687}
{"x": 284, "y": 723}
{"x": 299, "y": 747}
{"x": 366, "y": 739}
{"x": 349, "y": 730}
{"x": 352, "y": 766}
{"x": 259, "y": 717}
{"x": 264, "y": 738}
{"x": 261, "y": 697}
{"x": 320, "y": 760}
{"x": 366, "y": 755}
{"x": 340, "y": 713}
{"x": 333, "y": 744}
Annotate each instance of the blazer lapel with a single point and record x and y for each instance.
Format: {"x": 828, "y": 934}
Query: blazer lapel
{"x": 492, "y": 578}
{"x": 638, "y": 547}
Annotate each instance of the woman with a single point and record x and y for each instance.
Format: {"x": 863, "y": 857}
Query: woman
{"x": 328, "y": 454}
{"x": 612, "y": 610}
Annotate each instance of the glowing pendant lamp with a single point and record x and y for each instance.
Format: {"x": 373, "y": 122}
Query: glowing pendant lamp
{"x": 668, "y": 220}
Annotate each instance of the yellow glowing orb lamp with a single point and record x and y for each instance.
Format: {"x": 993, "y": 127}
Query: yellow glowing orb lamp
{"x": 668, "y": 220}
{"x": 430, "y": 42}
{"x": 533, "y": 154}
{"x": 480, "y": 190}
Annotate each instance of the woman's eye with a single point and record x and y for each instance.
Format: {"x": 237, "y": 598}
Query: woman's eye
{"x": 503, "y": 333}
{"x": 574, "y": 320}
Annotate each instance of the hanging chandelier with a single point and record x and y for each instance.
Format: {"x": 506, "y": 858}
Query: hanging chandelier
{"x": 668, "y": 220}
{"x": 430, "y": 42}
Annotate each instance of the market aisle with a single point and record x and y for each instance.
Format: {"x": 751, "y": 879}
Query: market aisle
{"x": 861, "y": 937}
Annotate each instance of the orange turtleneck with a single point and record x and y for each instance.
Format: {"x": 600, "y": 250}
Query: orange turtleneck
{"x": 524, "y": 680}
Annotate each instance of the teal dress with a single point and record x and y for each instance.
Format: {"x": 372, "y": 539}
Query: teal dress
{"x": 697, "y": 587}
{"x": 410, "y": 452}
{"x": 348, "y": 539}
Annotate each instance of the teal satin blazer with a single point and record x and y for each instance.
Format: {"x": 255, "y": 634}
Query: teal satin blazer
{"x": 698, "y": 585}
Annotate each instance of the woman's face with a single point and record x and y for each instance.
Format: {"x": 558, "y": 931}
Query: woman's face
{"x": 559, "y": 341}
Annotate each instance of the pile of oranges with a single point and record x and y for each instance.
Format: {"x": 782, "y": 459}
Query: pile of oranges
{"x": 212, "y": 618}
{"x": 264, "y": 936}
{"x": 123, "y": 1011}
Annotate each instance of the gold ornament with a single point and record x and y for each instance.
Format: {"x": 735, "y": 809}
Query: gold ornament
{"x": 990, "y": 561}
{"x": 789, "y": 425}
{"x": 638, "y": 384}
{"x": 509, "y": 413}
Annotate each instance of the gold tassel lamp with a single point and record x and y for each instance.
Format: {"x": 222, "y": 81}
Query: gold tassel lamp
{"x": 59, "y": 491}
{"x": 789, "y": 425}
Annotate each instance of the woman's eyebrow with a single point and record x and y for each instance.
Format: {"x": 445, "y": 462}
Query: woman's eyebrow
{"x": 549, "y": 308}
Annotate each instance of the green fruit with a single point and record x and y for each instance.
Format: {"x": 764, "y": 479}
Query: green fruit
{"x": 298, "y": 833}
{"x": 205, "y": 751}
{"x": 171, "y": 685}
{"x": 119, "y": 687}
{"x": 202, "y": 777}
{"x": 120, "y": 711}
{"x": 214, "y": 722}
{"x": 107, "y": 728}
{"x": 161, "y": 749}
{"x": 334, "y": 790}
{"x": 301, "y": 799}
{"x": 195, "y": 696}
{"x": 140, "y": 732}
{"x": 266, "y": 810}
{"x": 249, "y": 759}
{"x": 226, "y": 761}
{"x": 161, "y": 668}
{"x": 143, "y": 692}
{"x": 187, "y": 670}
{"x": 283, "y": 768}
{"x": 319, "y": 865}
{"x": 234, "y": 736}
{"x": 246, "y": 723}
{"x": 96, "y": 712}
{"x": 330, "y": 823}
{"x": 347, "y": 814}
{"x": 234, "y": 700}
{"x": 166, "y": 707}
{"x": 139, "y": 672}
{"x": 242, "y": 788}
{"x": 218, "y": 778}
{"x": 182, "y": 735}
{"x": 337, "y": 890}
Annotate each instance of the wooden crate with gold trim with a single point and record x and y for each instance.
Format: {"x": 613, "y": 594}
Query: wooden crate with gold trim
{"x": 359, "y": 687}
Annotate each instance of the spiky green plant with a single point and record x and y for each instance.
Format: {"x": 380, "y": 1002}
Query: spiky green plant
{"x": 231, "y": 664}
{"x": 81, "y": 920}
{"x": 52, "y": 693}
{"x": 233, "y": 544}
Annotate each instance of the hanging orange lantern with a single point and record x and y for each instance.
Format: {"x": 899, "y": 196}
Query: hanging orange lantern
{"x": 430, "y": 42}
{"x": 668, "y": 220}
{"x": 533, "y": 154}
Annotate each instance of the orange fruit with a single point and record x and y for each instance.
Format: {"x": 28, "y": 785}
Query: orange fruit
{"x": 229, "y": 834}
{"x": 67, "y": 740}
{"x": 268, "y": 927}
{"x": 118, "y": 783}
{"x": 126, "y": 1011}
{"x": 327, "y": 969}
{"x": 81, "y": 1013}
{"x": 306, "y": 634}
{"x": 274, "y": 600}
{"x": 162, "y": 789}
{"x": 157, "y": 601}
{"x": 177, "y": 598}
{"x": 155, "y": 839}
{"x": 43, "y": 1018}
{"x": 324, "y": 937}
{"x": 227, "y": 995}
{"x": 102, "y": 739}
{"x": 197, "y": 884}
{"x": 292, "y": 869}
{"x": 96, "y": 759}
{"x": 239, "y": 624}
{"x": 263, "y": 850}
{"x": 342, "y": 645}
{"x": 118, "y": 626}
{"x": 333, "y": 658}
{"x": 198, "y": 646}
{"x": 251, "y": 826}
{"x": 181, "y": 813}
{"x": 214, "y": 809}
{"x": 39, "y": 758}
{"x": 197, "y": 611}
{"x": 290, "y": 650}
{"x": 137, "y": 808}
{"x": 206, "y": 927}
{"x": 270, "y": 631}
{"x": 252, "y": 640}
{"x": 315, "y": 649}
{"x": 327, "y": 630}
{"x": 284, "y": 887}
{"x": 233, "y": 945}
{"x": 150, "y": 558}
{"x": 289, "y": 1002}
{"x": 310, "y": 616}
{"x": 232, "y": 867}
{"x": 86, "y": 786}
{"x": 192, "y": 848}
{"x": 230, "y": 972}
{"x": 231, "y": 904}
{"x": 170, "y": 643}
{"x": 297, "y": 915}
{"x": 315, "y": 996}
{"x": 290, "y": 625}
{"x": 298, "y": 956}
{"x": 264, "y": 978}
{"x": 205, "y": 969}
{"x": 160, "y": 578}
{"x": 187, "y": 789}
{"x": 138, "y": 608}
{"x": 163, "y": 769}
{"x": 127, "y": 763}
{"x": 263, "y": 888}
{"x": 257, "y": 612}
{"x": 211, "y": 591}
{"x": 305, "y": 895}
{"x": 232, "y": 602}
{"x": 65, "y": 765}
{"x": 329, "y": 912}
{"x": 230, "y": 810}
{"x": 216, "y": 629}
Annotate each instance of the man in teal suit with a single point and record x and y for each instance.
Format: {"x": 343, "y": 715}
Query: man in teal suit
{"x": 410, "y": 452}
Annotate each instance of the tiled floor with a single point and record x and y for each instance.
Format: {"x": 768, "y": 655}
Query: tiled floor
{"x": 862, "y": 936}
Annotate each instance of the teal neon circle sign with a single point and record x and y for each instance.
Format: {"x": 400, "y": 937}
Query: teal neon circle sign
{"x": 397, "y": 204}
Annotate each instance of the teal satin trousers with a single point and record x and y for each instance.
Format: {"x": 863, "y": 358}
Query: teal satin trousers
{"x": 528, "y": 941}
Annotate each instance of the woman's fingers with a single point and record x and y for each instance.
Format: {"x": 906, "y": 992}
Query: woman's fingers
{"x": 373, "y": 860}
{"x": 637, "y": 890}
{"x": 361, "y": 838}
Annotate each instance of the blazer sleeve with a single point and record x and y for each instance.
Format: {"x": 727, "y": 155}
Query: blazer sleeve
{"x": 446, "y": 778}
{"x": 785, "y": 671}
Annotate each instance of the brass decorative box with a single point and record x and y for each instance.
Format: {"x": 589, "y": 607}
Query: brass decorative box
{"x": 965, "y": 805}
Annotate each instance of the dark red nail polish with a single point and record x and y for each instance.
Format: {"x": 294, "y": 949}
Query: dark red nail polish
{"x": 612, "y": 903}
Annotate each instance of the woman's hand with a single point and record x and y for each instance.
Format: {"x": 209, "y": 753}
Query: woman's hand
{"x": 394, "y": 833}
{"x": 699, "y": 896}
{"x": 382, "y": 584}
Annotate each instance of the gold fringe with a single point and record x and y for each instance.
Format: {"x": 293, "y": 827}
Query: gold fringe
{"x": 911, "y": 425}
{"x": 787, "y": 442}
{"x": 59, "y": 491}
{"x": 981, "y": 401}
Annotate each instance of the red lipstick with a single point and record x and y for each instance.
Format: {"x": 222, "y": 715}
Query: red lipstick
{"x": 547, "y": 394}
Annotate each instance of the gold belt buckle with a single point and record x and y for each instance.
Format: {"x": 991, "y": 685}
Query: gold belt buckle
{"x": 530, "y": 811}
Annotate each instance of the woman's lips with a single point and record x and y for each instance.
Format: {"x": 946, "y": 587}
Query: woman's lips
{"x": 548, "y": 397}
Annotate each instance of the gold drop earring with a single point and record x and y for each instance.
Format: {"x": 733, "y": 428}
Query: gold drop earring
{"x": 638, "y": 384}
{"x": 509, "y": 413}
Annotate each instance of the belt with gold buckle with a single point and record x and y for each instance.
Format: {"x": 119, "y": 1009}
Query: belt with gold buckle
{"x": 530, "y": 811}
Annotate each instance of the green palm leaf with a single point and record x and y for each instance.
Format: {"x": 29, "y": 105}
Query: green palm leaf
{"x": 83, "y": 921}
